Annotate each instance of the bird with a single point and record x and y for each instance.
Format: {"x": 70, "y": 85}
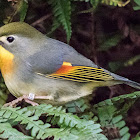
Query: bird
{"x": 39, "y": 69}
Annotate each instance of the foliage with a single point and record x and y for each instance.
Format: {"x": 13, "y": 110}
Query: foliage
{"x": 114, "y": 66}
{"x": 109, "y": 41}
{"x": 23, "y": 7}
{"x": 3, "y": 95}
{"x": 62, "y": 11}
{"x": 70, "y": 126}
{"x": 137, "y": 137}
{"x": 7, "y": 131}
{"x": 80, "y": 119}
{"x": 120, "y": 3}
{"x": 138, "y": 5}
{"x": 110, "y": 113}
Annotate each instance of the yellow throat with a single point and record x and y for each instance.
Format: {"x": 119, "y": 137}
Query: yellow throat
{"x": 6, "y": 61}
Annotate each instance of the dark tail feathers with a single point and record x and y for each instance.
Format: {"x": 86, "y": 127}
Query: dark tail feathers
{"x": 126, "y": 81}
{"x": 133, "y": 84}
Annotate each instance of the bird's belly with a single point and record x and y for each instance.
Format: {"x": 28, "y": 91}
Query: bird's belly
{"x": 60, "y": 91}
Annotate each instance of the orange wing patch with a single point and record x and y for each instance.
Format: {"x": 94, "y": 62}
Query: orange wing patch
{"x": 80, "y": 74}
{"x": 65, "y": 68}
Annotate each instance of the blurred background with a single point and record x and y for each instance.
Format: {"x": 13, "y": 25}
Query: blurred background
{"x": 105, "y": 31}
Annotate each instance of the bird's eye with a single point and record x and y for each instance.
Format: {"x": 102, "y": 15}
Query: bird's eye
{"x": 10, "y": 39}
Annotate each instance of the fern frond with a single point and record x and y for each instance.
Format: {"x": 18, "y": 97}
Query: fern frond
{"x": 7, "y": 131}
{"x": 82, "y": 108}
{"x": 67, "y": 119}
{"x": 122, "y": 103}
{"x": 55, "y": 25}
{"x": 25, "y": 117}
{"x": 70, "y": 125}
{"x": 112, "y": 111}
{"x": 78, "y": 106}
{"x": 62, "y": 12}
{"x": 82, "y": 128}
{"x": 113, "y": 124}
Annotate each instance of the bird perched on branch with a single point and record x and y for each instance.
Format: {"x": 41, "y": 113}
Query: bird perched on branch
{"x": 35, "y": 67}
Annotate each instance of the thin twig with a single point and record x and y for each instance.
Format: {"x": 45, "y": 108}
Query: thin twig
{"x": 93, "y": 38}
{"x": 41, "y": 19}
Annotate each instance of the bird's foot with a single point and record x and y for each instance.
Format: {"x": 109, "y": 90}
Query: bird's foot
{"x": 16, "y": 101}
{"x": 28, "y": 99}
{"x": 31, "y": 102}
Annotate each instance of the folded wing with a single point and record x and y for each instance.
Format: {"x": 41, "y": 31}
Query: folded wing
{"x": 80, "y": 74}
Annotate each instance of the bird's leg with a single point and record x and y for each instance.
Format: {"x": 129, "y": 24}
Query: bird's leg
{"x": 28, "y": 99}
{"x": 16, "y": 101}
{"x": 44, "y": 97}
{"x": 32, "y": 96}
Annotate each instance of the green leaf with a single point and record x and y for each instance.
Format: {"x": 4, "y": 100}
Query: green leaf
{"x": 95, "y": 3}
{"x": 137, "y": 136}
{"x": 109, "y": 42}
{"x": 126, "y": 137}
{"x": 137, "y": 2}
{"x": 70, "y": 126}
{"x": 120, "y": 3}
{"x": 25, "y": 117}
{"x": 6, "y": 131}
{"x": 3, "y": 95}
{"x": 114, "y": 66}
{"x": 62, "y": 13}
{"x": 111, "y": 112}
{"x": 77, "y": 106}
{"x": 23, "y": 9}
{"x": 136, "y": 8}
{"x": 3, "y": 98}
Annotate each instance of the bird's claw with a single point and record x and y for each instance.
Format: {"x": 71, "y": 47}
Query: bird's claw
{"x": 16, "y": 101}
{"x": 28, "y": 99}
{"x": 31, "y": 102}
